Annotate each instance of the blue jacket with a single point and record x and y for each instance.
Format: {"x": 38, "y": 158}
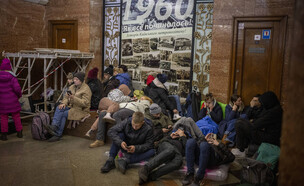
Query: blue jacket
{"x": 124, "y": 78}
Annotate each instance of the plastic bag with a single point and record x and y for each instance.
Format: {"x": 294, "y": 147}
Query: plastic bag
{"x": 219, "y": 173}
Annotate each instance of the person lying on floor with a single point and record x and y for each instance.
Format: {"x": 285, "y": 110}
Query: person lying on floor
{"x": 160, "y": 95}
{"x": 233, "y": 111}
{"x": 206, "y": 153}
{"x": 74, "y": 106}
{"x": 191, "y": 125}
{"x": 161, "y": 123}
{"x": 266, "y": 128}
{"x": 170, "y": 152}
{"x": 134, "y": 138}
{"x": 126, "y": 110}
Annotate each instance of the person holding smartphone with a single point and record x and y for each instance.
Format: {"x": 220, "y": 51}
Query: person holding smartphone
{"x": 134, "y": 138}
{"x": 170, "y": 152}
{"x": 206, "y": 152}
{"x": 74, "y": 106}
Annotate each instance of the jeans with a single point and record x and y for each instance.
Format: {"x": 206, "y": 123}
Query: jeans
{"x": 4, "y": 122}
{"x": 134, "y": 157}
{"x": 203, "y": 155}
{"x": 169, "y": 155}
{"x": 60, "y": 116}
{"x": 119, "y": 116}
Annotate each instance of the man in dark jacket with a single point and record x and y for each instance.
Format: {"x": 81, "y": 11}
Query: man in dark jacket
{"x": 206, "y": 152}
{"x": 265, "y": 128}
{"x": 134, "y": 138}
{"x": 170, "y": 151}
{"x": 212, "y": 109}
{"x": 96, "y": 87}
{"x": 109, "y": 82}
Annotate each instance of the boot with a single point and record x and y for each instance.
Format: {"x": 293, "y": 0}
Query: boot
{"x": 19, "y": 134}
{"x": 4, "y": 136}
{"x": 96, "y": 143}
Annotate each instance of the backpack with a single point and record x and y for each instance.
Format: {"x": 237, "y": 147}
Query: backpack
{"x": 255, "y": 172}
{"x": 38, "y": 130}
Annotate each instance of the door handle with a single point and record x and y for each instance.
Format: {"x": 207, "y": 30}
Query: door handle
{"x": 235, "y": 87}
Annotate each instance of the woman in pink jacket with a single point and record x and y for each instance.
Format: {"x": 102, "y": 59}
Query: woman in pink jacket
{"x": 10, "y": 92}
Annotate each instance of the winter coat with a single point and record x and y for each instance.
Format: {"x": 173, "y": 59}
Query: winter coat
{"x": 80, "y": 104}
{"x": 109, "y": 85}
{"x": 124, "y": 78}
{"x": 147, "y": 90}
{"x": 138, "y": 106}
{"x": 254, "y": 112}
{"x": 230, "y": 114}
{"x": 178, "y": 143}
{"x": 158, "y": 124}
{"x": 95, "y": 86}
{"x": 216, "y": 114}
{"x": 118, "y": 96}
{"x": 142, "y": 138}
{"x": 10, "y": 92}
{"x": 159, "y": 94}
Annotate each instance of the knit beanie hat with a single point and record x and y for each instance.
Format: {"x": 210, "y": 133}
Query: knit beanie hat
{"x": 155, "y": 109}
{"x": 109, "y": 70}
{"x": 70, "y": 75}
{"x": 93, "y": 73}
{"x": 80, "y": 76}
{"x": 150, "y": 78}
{"x": 162, "y": 77}
{"x": 6, "y": 64}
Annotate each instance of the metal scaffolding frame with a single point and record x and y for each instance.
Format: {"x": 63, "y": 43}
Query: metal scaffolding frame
{"x": 53, "y": 61}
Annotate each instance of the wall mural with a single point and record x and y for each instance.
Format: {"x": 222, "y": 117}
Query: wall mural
{"x": 202, "y": 47}
{"x": 112, "y": 32}
{"x": 157, "y": 38}
{"x": 148, "y": 51}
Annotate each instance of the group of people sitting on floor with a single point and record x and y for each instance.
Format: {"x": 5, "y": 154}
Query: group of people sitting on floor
{"x": 150, "y": 127}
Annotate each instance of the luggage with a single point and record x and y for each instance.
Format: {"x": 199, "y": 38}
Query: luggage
{"x": 37, "y": 128}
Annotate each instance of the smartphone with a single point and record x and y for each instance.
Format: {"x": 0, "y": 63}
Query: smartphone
{"x": 69, "y": 92}
{"x": 128, "y": 147}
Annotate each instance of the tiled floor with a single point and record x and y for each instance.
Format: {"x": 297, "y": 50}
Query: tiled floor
{"x": 67, "y": 162}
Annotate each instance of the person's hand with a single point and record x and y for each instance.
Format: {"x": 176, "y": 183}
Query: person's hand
{"x": 174, "y": 135}
{"x": 124, "y": 146}
{"x": 252, "y": 103}
{"x": 210, "y": 139}
{"x": 211, "y": 107}
{"x": 180, "y": 133}
{"x": 234, "y": 107}
{"x": 165, "y": 130}
{"x": 71, "y": 96}
{"x": 62, "y": 106}
{"x": 175, "y": 111}
{"x": 131, "y": 149}
{"x": 169, "y": 126}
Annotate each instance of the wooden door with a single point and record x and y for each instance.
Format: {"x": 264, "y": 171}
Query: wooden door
{"x": 63, "y": 35}
{"x": 258, "y": 56}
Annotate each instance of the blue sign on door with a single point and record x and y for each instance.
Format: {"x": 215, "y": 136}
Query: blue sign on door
{"x": 266, "y": 34}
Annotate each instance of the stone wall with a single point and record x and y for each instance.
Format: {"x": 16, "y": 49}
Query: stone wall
{"x": 22, "y": 26}
{"x": 222, "y": 36}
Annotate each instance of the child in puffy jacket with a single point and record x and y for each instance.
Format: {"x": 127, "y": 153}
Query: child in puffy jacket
{"x": 10, "y": 92}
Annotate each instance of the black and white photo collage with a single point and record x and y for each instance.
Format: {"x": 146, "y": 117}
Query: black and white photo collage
{"x": 167, "y": 54}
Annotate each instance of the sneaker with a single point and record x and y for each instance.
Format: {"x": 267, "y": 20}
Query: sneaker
{"x": 143, "y": 174}
{"x": 237, "y": 153}
{"x": 176, "y": 117}
{"x": 121, "y": 165}
{"x": 51, "y": 129}
{"x": 108, "y": 119}
{"x": 88, "y": 134}
{"x": 109, "y": 165}
{"x": 188, "y": 179}
{"x": 196, "y": 182}
{"x": 19, "y": 134}
{"x": 96, "y": 143}
{"x": 54, "y": 138}
{"x": 3, "y": 137}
